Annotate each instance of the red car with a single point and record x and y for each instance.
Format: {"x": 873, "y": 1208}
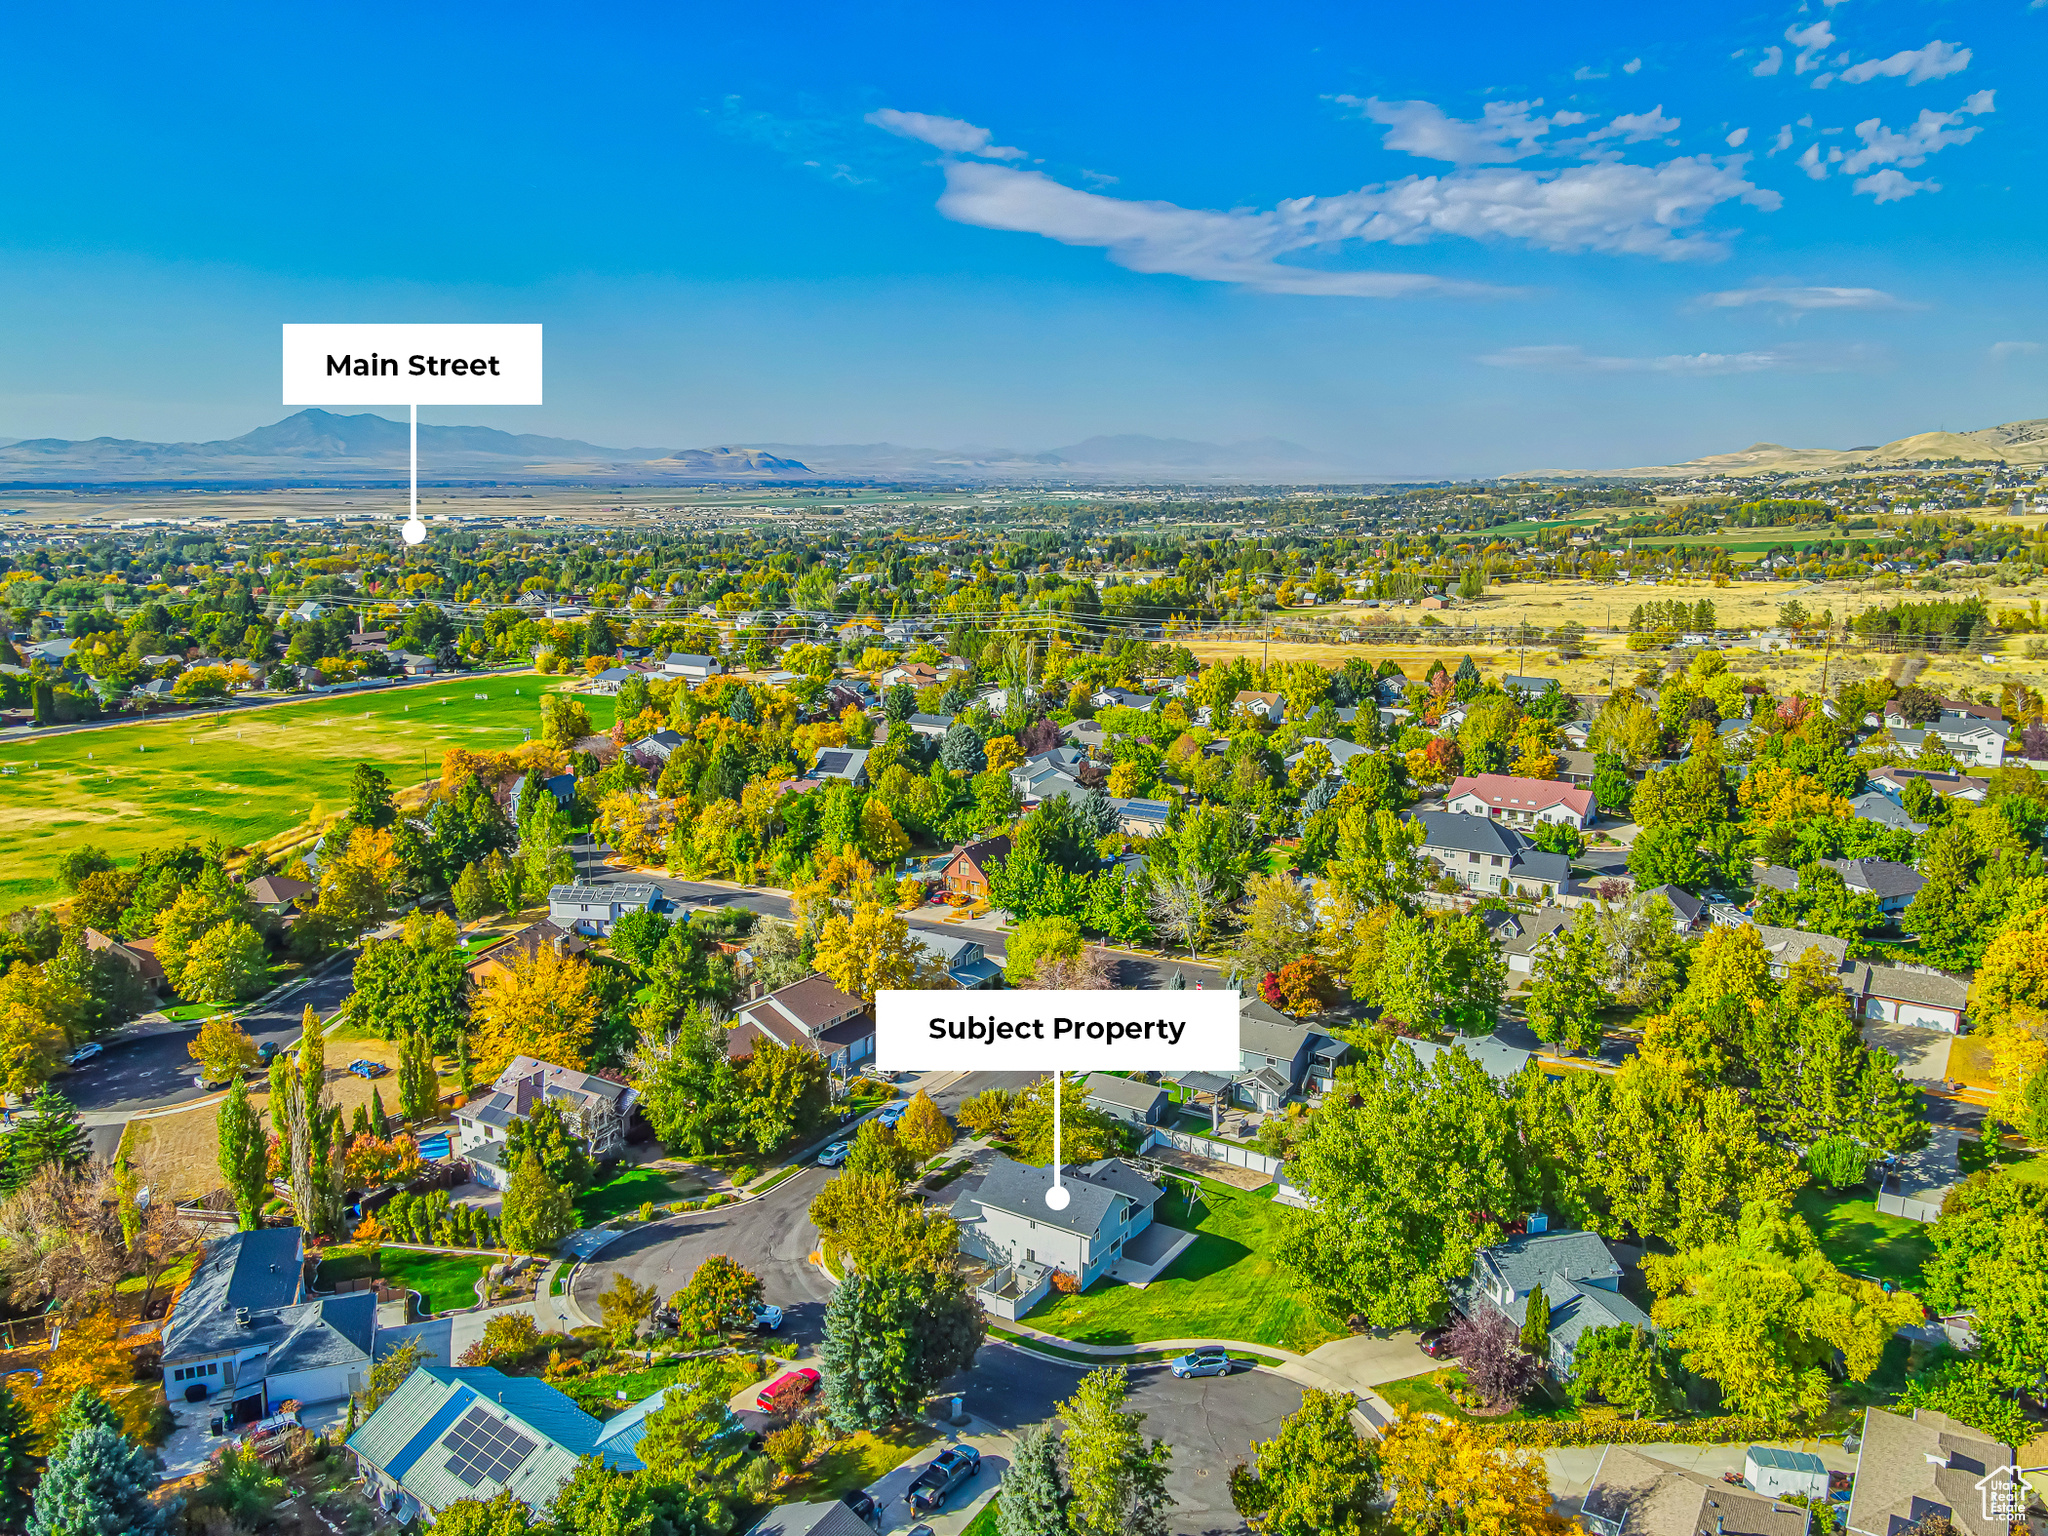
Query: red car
{"x": 787, "y": 1389}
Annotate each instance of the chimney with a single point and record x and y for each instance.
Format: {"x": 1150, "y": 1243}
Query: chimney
{"x": 242, "y": 1316}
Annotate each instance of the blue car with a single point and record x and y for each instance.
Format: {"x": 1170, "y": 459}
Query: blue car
{"x": 835, "y": 1154}
{"x": 1208, "y": 1361}
{"x": 889, "y": 1114}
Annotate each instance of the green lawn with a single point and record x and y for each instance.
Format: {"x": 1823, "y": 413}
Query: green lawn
{"x": 1136, "y": 1357}
{"x": 1422, "y": 1394}
{"x": 446, "y": 1281}
{"x": 599, "y": 1395}
{"x": 246, "y": 776}
{"x": 984, "y": 1521}
{"x": 859, "y": 1461}
{"x": 1862, "y": 1240}
{"x": 1975, "y": 1155}
{"x": 1227, "y": 1284}
{"x": 624, "y": 1192}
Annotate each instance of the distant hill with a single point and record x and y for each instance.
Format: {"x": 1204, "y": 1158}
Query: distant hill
{"x": 315, "y": 444}
{"x": 1126, "y": 456}
{"x": 2023, "y": 443}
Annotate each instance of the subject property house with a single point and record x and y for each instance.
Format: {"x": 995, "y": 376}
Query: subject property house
{"x": 245, "y": 1335}
{"x": 1006, "y": 1226}
{"x": 594, "y": 1108}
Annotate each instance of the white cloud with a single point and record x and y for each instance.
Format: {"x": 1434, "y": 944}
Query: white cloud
{"x": 946, "y": 133}
{"x": 1738, "y": 138}
{"x": 1810, "y": 163}
{"x": 1928, "y": 134}
{"x": 1934, "y": 62}
{"x": 2001, "y": 350}
{"x": 1783, "y": 141}
{"x": 1588, "y": 72}
{"x": 1579, "y": 360}
{"x": 1632, "y": 128}
{"x": 1772, "y": 61}
{"x": 1811, "y": 42}
{"x": 1890, "y": 186}
{"x": 1608, "y": 207}
{"x": 1631, "y": 66}
{"x": 1802, "y": 298}
{"x": 1504, "y": 131}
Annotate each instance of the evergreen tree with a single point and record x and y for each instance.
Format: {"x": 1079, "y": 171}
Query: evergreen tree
{"x": 370, "y": 802}
{"x": 1536, "y": 1324}
{"x": 244, "y": 1155}
{"x": 17, "y": 1462}
{"x": 98, "y": 1481}
{"x": 538, "y": 1212}
{"x": 54, "y": 1134}
{"x": 890, "y": 1339}
{"x": 360, "y": 1126}
{"x": 464, "y": 1072}
{"x": 419, "y": 1085}
{"x": 1033, "y": 1501}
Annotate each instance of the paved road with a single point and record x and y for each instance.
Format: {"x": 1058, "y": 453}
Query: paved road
{"x": 156, "y": 1073}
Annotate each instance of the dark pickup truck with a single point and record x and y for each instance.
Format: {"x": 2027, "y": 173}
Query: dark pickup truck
{"x": 949, "y": 1469}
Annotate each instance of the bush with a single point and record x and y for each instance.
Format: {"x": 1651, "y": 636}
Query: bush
{"x": 789, "y": 1448}
{"x": 1546, "y": 1434}
{"x": 1838, "y": 1162}
{"x": 746, "y": 1173}
{"x": 647, "y": 1210}
{"x": 1066, "y": 1284}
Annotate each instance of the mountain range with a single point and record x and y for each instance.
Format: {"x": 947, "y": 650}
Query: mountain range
{"x": 316, "y": 445}
{"x": 2023, "y": 444}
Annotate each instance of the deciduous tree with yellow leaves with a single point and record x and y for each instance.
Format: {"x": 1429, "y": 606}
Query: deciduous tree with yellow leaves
{"x": 541, "y": 1005}
{"x": 871, "y": 950}
{"x": 1446, "y": 1481}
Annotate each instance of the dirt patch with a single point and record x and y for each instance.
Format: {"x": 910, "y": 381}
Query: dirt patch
{"x": 1222, "y": 1173}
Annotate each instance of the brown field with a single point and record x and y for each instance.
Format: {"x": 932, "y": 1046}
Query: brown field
{"x": 180, "y": 1153}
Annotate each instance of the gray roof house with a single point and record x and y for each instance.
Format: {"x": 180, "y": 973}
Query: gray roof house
{"x": 1129, "y": 1099}
{"x": 1519, "y": 935}
{"x": 1341, "y": 752}
{"x": 1894, "y": 885}
{"x": 967, "y": 964}
{"x": 245, "y": 1335}
{"x": 1487, "y": 858}
{"x": 1787, "y": 946}
{"x": 1006, "y": 1226}
{"x": 1576, "y": 1271}
{"x": 595, "y": 1108}
{"x": 581, "y": 907}
{"x": 1278, "y": 1058}
{"x": 696, "y": 668}
{"x": 1637, "y": 1495}
{"x": 1926, "y": 1463}
{"x": 1499, "y": 1060}
{"x": 657, "y": 747}
{"x": 1901, "y": 994}
{"x": 832, "y": 1518}
{"x": 450, "y": 1434}
{"x": 1873, "y": 805}
{"x": 1971, "y": 741}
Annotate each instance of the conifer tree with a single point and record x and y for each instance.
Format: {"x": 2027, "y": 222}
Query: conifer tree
{"x": 379, "y": 1121}
{"x": 1536, "y": 1324}
{"x": 17, "y": 1462}
{"x": 98, "y": 1481}
{"x": 244, "y": 1155}
{"x": 1033, "y": 1501}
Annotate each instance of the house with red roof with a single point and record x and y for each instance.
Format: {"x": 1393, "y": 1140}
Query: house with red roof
{"x": 1523, "y": 802}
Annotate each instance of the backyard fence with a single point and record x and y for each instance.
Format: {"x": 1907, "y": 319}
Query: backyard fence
{"x": 1216, "y": 1151}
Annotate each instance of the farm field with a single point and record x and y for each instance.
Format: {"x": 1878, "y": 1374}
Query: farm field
{"x": 243, "y": 775}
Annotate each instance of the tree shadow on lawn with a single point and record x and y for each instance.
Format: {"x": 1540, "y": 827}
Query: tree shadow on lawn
{"x": 1207, "y": 1255}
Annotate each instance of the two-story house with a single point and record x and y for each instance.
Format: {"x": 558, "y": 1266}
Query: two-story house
{"x": 582, "y": 907}
{"x": 1972, "y": 741}
{"x": 1279, "y": 1059}
{"x": 1523, "y": 802}
{"x": 1488, "y": 858}
{"x": 966, "y": 870}
{"x": 1894, "y": 885}
{"x": 245, "y": 1336}
{"x": 594, "y": 1108}
{"x": 1007, "y": 1226}
{"x": 1577, "y": 1273}
{"x": 967, "y": 963}
{"x": 811, "y": 1013}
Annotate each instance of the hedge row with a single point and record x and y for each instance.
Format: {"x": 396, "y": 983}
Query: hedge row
{"x": 1547, "y": 1434}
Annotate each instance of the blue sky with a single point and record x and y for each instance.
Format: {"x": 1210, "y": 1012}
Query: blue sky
{"x": 1418, "y": 241}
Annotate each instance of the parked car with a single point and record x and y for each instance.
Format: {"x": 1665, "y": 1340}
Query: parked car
{"x": 86, "y": 1053}
{"x": 788, "y": 1387}
{"x": 1433, "y": 1343}
{"x": 265, "y": 1052}
{"x": 948, "y": 1470}
{"x": 767, "y": 1317}
{"x": 1206, "y": 1361}
{"x": 835, "y": 1154}
{"x": 889, "y": 1114}
{"x": 363, "y": 1068}
{"x": 863, "y": 1504}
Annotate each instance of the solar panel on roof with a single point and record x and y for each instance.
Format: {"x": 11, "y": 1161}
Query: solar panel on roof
{"x": 485, "y": 1446}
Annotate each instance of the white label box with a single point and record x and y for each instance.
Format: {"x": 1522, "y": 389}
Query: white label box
{"x": 1029, "y": 1031}
{"x": 412, "y": 365}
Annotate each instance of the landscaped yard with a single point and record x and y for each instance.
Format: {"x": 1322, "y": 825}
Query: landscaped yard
{"x": 627, "y": 1191}
{"x": 859, "y": 1461}
{"x": 1227, "y": 1284}
{"x": 1428, "y": 1393}
{"x": 446, "y": 1281}
{"x": 1862, "y": 1240}
{"x": 599, "y": 1395}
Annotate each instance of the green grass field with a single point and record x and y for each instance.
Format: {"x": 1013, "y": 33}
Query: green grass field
{"x": 244, "y": 776}
{"x": 445, "y": 1281}
{"x": 628, "y": 1191}
{"x": 1861, "y": 1240}
{"x": 1225, "y": 1285}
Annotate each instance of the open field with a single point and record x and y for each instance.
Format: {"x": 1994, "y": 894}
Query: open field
{"x": 243, "y": 776}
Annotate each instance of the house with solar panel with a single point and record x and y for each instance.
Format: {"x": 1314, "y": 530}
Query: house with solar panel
{"x": 594, "y": 1108}
{"x": 450, "y": 1434}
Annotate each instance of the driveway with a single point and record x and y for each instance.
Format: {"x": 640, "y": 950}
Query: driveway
{"x": 1371, "y": 1359}
{"x": 1922, "y": 1053}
